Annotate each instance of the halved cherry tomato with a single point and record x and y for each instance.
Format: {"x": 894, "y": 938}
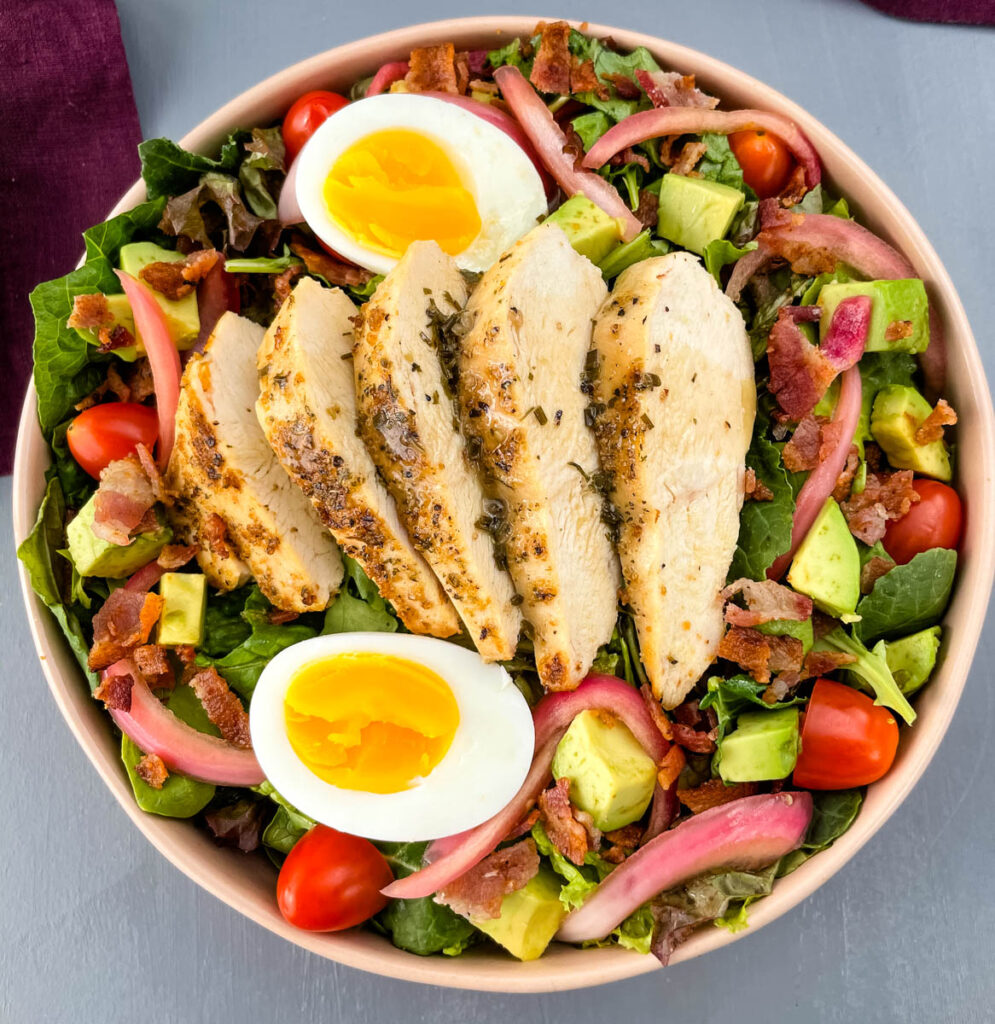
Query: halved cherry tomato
{"x": 766, "y": 161}
{"x": 305, "y": 116}
{"x": 847, "y": 739}
{"x": 332, "y": 880}
{"x": 104, "y": 433}
{"x": 934, "y": 521}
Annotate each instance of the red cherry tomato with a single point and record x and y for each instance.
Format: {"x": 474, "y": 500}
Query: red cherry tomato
{"x": 103, "y": 433}
{"x": 305, "y": 116}
{"x": 766, "y": 161}
{"x": 332, "y": 880}
{"x": 934, "y": 521}
{"x": 847, "y": 740}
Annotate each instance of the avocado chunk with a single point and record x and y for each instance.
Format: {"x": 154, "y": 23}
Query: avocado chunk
{"x": 184, "y": 605}
{"x": 789, "y": 627}
{"x": 95, "y": 557}
{"x": 611, "y": 776}
{"x": 529, "y": 917}
{"x": 764, "y": 746}
{"x": 913, "y": 658}
{"x": 120, "y": 312}
{"x": 827, "y": 564}
{"x": 896, "y": 415}
{"x": 182, "y": 316}
{"x": 902, "y": 303}
{"x": 696, "y": 211}
{"x": 588, "y": 228}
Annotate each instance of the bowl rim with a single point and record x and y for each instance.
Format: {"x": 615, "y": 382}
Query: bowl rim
{"x": 229, "y": 878}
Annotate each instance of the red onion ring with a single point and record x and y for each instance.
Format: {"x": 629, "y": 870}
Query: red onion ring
{"x": 287, "y": 209}
{"x": 386, "y": 77}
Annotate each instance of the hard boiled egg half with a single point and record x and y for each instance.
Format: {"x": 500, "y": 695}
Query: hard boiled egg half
{"x": 391, "y": 169}
{"x": 391, "y": 736}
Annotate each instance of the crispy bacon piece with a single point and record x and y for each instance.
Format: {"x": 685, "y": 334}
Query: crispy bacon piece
{"x": 760, "y": 654}
{"x": 583, "y": 78}
{"x": 123, "y": 501}
{"x": 819, "y": 663}
{"x": 199, "y": 264}
{"x": 766, "y": 600}
{"x": 175, "y": 556}
{"x": 713, "y": 793}
{"x": 151, "y": 470}
{"x": 111, "y": 384}
{"x": 115, "y": 337}
{"x": 552, "y": 65}
{"x": 660, "y": 720}
{"x": 754, "y": 488}
{"x": 623, "y": 841}
{"x": 698, "y": 742}
{"x": 648, "y": 208}
{"x": 328, "y": 267}
{"x": 214, "y": 532}
{"x": 565, "y": 832}
{"x": 885, "y": 496}
{"x": 931, "y": 428}
{"x": 844, "y": 482}
{"x": 166, "y": 278}
{"x": 630, "y": 156}
{"x": 115, "y": 691}
{"x": 898, "y": 329}
{"x": 671, "y": 89}
{"x": 687, "y": 159}
{"x": 186, "y": 653}
{"x": 152, "y": 661}
{"x": 625, "y": 87}
{"x": 90, "y": 312}
{"x": 872, "y": 571}
{"x": 799, "y": 372}
{"x": 478, "y": 893}
{"x": 795, "y": 188}
{"x": 140, "y": 382}
{"x": 123, "y": 623}
{"x": 525, "y": 825}
{"x": 806, "y": 448}
{"x": 671, "y": 766}
{"x": 283, "y": 284}
{"x": 151, "y": 770}
{"x": 223, "y": 708}
{"x": 432, "y": 69}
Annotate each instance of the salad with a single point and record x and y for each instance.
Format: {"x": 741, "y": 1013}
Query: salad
{"x": 514, "y": 497}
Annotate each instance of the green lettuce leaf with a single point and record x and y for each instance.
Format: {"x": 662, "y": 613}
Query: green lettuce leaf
{"x": 262, "y": 171}
{"x": 719, "y": 164}
{"x": 285, "y": 828}
{"x": 721, "y": 252}
{"x": 168, "y": 169}
{"x": 832, "y": 814}
{"x": 359, "y": 606}
{"x": 511, "y": 54}
{"x": 590, "y": 127}
{"x": 578, "y": 882}
{"x": 730, "y": 697}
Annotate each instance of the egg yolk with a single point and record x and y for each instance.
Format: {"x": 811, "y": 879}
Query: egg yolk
{"x": 370, "y": 722}
{"x": 394, "y": 187}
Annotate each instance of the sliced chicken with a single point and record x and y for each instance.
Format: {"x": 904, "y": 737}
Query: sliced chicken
{"x": 207, "y": 532}
{"x": 222, "y": 463}
{"x": 404, "y": 360}
{"x": 307, "y": 408}
{"x": 675, "y": 400}
{"x": 522, "y": 406}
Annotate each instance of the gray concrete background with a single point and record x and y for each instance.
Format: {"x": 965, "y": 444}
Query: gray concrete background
{"x": 96, "y": 927}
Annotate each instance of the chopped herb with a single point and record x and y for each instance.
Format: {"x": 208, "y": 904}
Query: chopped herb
{"x": 645, "y": 381}
{"x": 647, "y": 422}
{"x": 540, "y": 415}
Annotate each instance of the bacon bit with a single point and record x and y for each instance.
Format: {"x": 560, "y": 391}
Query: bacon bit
{"x": 186, "y": 653}
{"x": 525, "y": 825}
{"x": 693, "y": 740}
{"x": 931, "y": 428}
{"x": 223, "y": 708}
{"x": 140, "y": 382}
{"x": 671, "y": 89}
{"x": 148, "y": 464}
{"x": 283, "y": 284}
{"x": 90, "y": 311}
{"x": 115, "y": 337}
{"x": 760, "y": 654}
{"x": 175, "y": 556}
{"x": 123, "y": 623}
{"x": 688, "y": 158}
{"x": 166, "y": 278}
{"x": 115, "y": 692}
{"x": 565, "y": 832}
{"x": 647, "y": 210}
{"x": 844, "y": 482}
{"x": 660, "y": 720}
{"x": 818, "y": 663}
{"x": 626, "y": 88}
{"x": 124, "y": 496}
{"x": 583, "y": 78}
{"x": 898, "y": 329}
{"x": 623, "y": 841}
{"x": 432, "y": 69}
{"x": 885, "y": 496}
{"x": 671, "y": 767}
{"x": 805, "y": 449}
{"x": 551, "y": 69}
{"x": 151, "y": 770}
{"x": 278, "y": 617}
{"x": 152, "y": 661}
{"x": 766, "y": 600}
{"x": 478, "y": 893}
{"x": 199, "y": 264}
{"x": 629, "y": 156}
{"x": 592, "y": 830}
{"x": 799, "y": 372}
{"x": 713, "y": 793}
{"x": 325, "y": 266}
{"x": 479, "y": 85}
{"x": 461, "y": 65}
{"x": 872, "y": 571}
{"x": 794, "y": 191}
{"x": 112, "y": 384}
{"x": 214, "y": 532}
{"x": 780, "y": 687}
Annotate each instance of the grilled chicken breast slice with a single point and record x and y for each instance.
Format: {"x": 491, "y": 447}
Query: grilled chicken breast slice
{"x": 223, "y": 462}
{"x": 675, "y": 399}
{"x": 520, "y": 395}
{"x": 307, "y": 409}
{"x": 404, "y": 365}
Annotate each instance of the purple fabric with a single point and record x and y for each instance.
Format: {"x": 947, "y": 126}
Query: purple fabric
{"x": 70, "y": 131}
{"x": 955, "y": 12}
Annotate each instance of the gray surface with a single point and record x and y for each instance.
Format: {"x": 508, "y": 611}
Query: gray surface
{"x": 96, "y": 927}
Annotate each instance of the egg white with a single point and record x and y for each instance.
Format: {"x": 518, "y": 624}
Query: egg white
{"x": 503, "y": 181}
{"x": 484, "y": 767}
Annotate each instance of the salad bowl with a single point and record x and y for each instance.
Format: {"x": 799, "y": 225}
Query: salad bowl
{"x": 246, "y": 884}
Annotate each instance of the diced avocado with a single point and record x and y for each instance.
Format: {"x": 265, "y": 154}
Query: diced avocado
{"x": 121, "y": 313}
{"x": 182, "y": 316}
{"x": 902, "y": 303}
{"x": 588, "y": 228}
{"x": 827, "y": 564}
{"x": 896, "y": 415}
{"x": 764, "y": 746}
{"x": 696, "y": 211}
{"x": 789, "y": 627}
{"x": 611, "y": 776}
{"x": 912, "y": 658}
{"x": 529, "y": 917}
{"x": 95, "y": 557}
{"x": 184, "y": 605}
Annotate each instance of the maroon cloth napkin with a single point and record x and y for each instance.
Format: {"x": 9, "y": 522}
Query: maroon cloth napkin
{"x": 70, "y": 130}
{"x": 954, "y": 12}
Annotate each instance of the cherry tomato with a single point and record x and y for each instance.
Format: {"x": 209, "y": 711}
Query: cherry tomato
{"x": 331, "y": 880}
{"x": 103, "y": 433}
{"x": 934, "y": 521}
{"x": 847, "y": 740}
{"x": 305, "y": 116}
{"x": 766, "y": 161}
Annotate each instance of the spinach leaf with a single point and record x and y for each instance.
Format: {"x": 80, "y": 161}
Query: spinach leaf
{"x": 179, "y": 797}
{"x": 224, "y": 627}
{"x": 909, "y": 598}
{"x": 359, "y": 606}
{"x": 285, "y": 828}
{"x": 77, "y": 484}
{"x": 832, "y": 814}
{"x": 420, "y": 926}
{"x": 642, "y": 247}
{"x": 719, "y": 164}
{"x": 730, "y": 697}
{"x": 264, "y": 264}
{"x": 168, "y": 169}
{"x": 720, "y": 253}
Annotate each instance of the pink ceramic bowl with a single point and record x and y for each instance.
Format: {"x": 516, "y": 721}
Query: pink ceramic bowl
{"x": 247, "y": 883}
